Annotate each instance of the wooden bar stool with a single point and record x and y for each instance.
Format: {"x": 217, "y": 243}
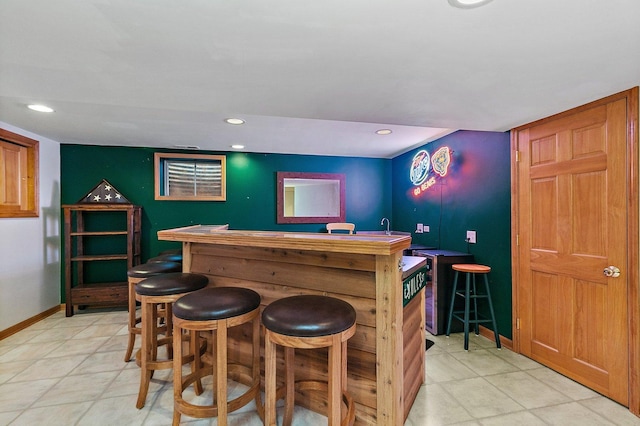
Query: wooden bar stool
{"x": 152, "y": 292}
{"x": 135, "y": 275}
{"x": 468, "y": 294}
{"x": 308, "y": 322}
{"x": 216, "y": 309}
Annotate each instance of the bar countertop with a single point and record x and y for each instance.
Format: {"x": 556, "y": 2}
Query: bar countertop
{"x": 337, "y": 243}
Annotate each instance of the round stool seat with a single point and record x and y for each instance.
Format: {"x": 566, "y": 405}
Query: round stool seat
{"x": 471, "y": 267}
{"x": 215, "y": 303}
{"x": 167, "y": 257}
{"x": 146, "y": 270}
{"x": 171, "y": 283}
{"x": 308, "y": 316}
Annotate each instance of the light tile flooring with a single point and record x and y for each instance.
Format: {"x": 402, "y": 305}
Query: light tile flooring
{"x": 70, "y": 371}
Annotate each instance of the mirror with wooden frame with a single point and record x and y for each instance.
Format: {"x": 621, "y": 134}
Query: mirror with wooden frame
{"x": 310, "y": 197}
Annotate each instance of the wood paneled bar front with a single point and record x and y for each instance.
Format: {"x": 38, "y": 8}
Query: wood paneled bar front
{"x": 385, "y": 356}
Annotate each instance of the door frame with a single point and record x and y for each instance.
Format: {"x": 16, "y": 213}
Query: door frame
{"x": 633, "y": 228}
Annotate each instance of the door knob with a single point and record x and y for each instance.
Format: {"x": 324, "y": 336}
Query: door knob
{"x": 611, "y": 271}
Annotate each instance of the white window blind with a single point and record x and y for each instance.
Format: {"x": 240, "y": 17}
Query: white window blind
{"x": 193, "y": 178}
{"x": 190, "y": 177}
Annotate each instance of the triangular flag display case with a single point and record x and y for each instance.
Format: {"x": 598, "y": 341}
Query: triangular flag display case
{"x": 101, "y": 243}
{"x": 104, "y": 193}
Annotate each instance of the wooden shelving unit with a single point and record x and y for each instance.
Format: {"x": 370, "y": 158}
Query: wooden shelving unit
{"x": 80, "y": 248}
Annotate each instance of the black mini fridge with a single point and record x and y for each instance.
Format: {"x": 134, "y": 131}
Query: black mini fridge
{"x": 439, "y": 287}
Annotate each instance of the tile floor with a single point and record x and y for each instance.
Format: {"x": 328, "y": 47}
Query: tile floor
{"x": 69, "y": 371}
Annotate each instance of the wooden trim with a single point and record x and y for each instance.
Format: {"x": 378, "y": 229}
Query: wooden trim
{"x": 488, "y": 333}
{"x": 389, "y": 350}
{"x": 29, "y": 321}
{"x": 31, "y": 206}
{"x": 157, "y": 171}
{"x": 515, "y": 258}
{"x": 632, "y": 250}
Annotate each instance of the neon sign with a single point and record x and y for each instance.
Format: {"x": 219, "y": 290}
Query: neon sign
{"x": 423, "y": 163}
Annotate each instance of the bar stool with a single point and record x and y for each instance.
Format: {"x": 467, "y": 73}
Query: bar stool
{"x": 135, "y": 275}
{"x": 162, "y": 289}
{"x": 306, "y": 322}
{"x": 216, "y": 309}
{"x": 469, "y": 294}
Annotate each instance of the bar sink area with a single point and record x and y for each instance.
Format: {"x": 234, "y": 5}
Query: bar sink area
{"x": 388, "y": 233}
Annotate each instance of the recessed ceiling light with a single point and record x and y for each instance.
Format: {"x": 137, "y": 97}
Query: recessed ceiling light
{"x": 234, "y": 121}
{"x": 40, "y": 108}
{"x": 383, "y": 132}
{"x": 468, "y": 4}
{"x": 237, "y": 146}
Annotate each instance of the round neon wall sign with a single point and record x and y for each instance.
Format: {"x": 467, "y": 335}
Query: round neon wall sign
{"x": 422, "y": 164}
{"x": 419, "y": 167}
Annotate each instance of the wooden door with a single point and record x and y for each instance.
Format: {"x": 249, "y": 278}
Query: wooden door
{"x": 572, "y": 191}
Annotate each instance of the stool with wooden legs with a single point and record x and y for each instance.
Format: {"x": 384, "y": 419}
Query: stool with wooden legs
{"x": 154, "y": 291}
{"x": 215, "y": 310}
{"x": 307, "y": 322}
{"x": 135, "y": 275}
{"x": 469, "y": 294}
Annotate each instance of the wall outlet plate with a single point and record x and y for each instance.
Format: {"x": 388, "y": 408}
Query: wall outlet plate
{"x": 419, "y": 228}
{"x": 471, "y": 237}
{"x": 425, "y": 228}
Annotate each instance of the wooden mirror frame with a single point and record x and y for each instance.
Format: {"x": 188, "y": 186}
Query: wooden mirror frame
{"x": 281, "y": 218}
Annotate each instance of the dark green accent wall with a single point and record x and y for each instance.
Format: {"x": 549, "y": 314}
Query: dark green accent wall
{"x": 251, "y": 189}
{"x": 474, "y": 195}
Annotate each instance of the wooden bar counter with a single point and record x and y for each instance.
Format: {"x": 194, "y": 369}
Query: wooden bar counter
{"x": 385, "y": 356}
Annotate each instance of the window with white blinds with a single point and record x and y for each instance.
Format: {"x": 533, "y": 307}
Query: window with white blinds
{"x": 190, "y": 177}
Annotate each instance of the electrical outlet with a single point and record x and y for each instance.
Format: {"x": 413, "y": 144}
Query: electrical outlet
{"x": 419, "y": 228}
{"x": 425, "y": 228}
{"x": 471, "y": 237}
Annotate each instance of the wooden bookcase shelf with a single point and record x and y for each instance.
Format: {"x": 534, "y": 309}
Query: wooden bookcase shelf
{"x": 82, "y": 246}
{"x": 75, "y": 234}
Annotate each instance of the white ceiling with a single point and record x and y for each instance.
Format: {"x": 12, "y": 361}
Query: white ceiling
{"x": 311, "y": 77}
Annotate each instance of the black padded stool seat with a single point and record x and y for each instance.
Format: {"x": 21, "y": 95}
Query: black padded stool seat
{"x": 308, "y": 316}
{"x": 215, "y": 310}
{"x": 135, "y": 275}
{"x": 171, "y": 283}
{"x": 146, "y": 270}
{"x": 309, "y": 322}
{"x": 167, "y": 257}
{"x": 161, "y": 290}
{"x": 216, "y": 303}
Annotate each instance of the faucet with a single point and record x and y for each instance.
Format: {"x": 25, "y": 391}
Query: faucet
{"x": 382, "y": 223}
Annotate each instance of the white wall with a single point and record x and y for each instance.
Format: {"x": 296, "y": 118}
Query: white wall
{"x": 30, "y": 248}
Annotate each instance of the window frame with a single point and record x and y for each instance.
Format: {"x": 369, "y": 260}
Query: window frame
{"x": 160, "y": 159}
{"x": 28, "y": 193}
